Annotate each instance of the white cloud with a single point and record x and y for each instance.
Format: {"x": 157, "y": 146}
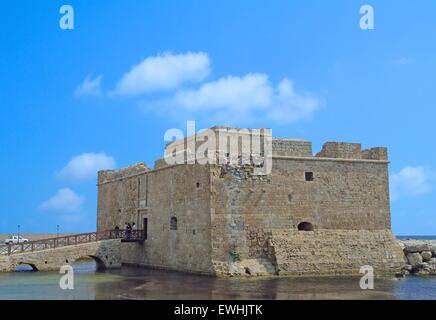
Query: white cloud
{"x": 89, "y": 87}
{"x": 163, "y": 72}
{"x": 245, "y": 98}
{"x": 65, "y": 200}
{"x": 411, "y": 181}
{"x": 403, "y": 61}
{"x": 86, "y": 165}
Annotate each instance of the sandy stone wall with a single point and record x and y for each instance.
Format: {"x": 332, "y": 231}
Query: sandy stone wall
{"x": 291, "y": 147}
{"x": 335, "y": 251}
{"x": 345, "y": 195}
{"x": 180, "y": 192}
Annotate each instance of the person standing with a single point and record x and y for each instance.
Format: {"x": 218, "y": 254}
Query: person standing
{"x": 128, "y": 231}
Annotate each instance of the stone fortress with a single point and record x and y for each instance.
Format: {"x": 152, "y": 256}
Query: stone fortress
{"x": 327, "y": 213}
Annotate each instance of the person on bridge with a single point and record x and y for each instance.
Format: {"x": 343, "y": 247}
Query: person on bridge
{"x": 128, "y": 230}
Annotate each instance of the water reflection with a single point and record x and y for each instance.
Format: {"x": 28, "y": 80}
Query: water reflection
{"x": 135, "y": 283}
{"x": 153, "y": 284}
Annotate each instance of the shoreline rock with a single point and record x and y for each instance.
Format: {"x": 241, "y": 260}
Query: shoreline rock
{"x": 420, "y": 256}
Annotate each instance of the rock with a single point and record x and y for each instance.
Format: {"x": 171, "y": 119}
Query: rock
{"x": 414, "y": 259}
{"x": 414, "y": 246}
{"x": 408, "y": 267}
{"x": 426, "y": 255}
{"x": 423, "y": 265}
{"x": 402, "y": 245}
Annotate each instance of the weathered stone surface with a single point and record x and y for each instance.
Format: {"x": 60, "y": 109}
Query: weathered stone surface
{"x": 414, "y": 259}
{"x": 408, "y": 267}
{"x": 225, "y": 212}
{"x": 426, "y": 256}
{"x": 413, "y": 246}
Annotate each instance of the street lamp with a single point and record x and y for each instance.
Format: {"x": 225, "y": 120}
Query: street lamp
{"x": 57, "y": 231}
{"x": 18, "y": 234}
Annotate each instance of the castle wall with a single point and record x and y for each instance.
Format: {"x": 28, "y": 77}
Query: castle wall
{"x": 291, "y": 147}
{"x": 180, "y": 192}
{"x": 345, "y": 196}
{"x": 335, "y": 251}
{"x": 230, "y": 221}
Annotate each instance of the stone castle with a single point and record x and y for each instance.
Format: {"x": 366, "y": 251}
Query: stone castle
{"x": 327, "y": 213}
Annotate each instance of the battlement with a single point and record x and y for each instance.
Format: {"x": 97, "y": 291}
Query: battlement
{"x": 243, "y": 140}
{"x": 109, "y": 175}
{"x": 345, "y": 150}
{"x": 291, "y": 147}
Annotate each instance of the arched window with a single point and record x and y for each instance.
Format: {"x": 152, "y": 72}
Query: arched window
{"x": 305, "y": 226}
{"x": 173, "y": 223}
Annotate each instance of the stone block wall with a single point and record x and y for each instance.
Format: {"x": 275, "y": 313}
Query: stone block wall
{"x": 180, "y": 192}
{"x": 341, "y": 150}
{"x": 291, "y": 148}
{"x": 335, "y": 251}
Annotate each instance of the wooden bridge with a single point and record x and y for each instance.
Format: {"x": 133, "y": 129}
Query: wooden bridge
{"x": 72, "y": 240}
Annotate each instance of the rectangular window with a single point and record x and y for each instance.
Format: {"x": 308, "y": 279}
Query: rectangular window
{"x": 309, "y": 176}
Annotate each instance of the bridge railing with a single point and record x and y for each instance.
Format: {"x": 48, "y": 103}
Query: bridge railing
{"x": 71, "y": 240}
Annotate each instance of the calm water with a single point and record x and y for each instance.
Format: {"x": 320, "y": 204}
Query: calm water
{"x": 134, "y": 283}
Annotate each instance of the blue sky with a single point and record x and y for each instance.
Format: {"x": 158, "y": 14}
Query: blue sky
{"x": 70, "y": 105}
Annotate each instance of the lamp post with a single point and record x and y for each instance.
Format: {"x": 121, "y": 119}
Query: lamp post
{"x": 18, "y": 234}
{"x": 57, "y": 231}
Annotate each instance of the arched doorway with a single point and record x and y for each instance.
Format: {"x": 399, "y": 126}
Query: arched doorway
{"x": 305, "y": 226}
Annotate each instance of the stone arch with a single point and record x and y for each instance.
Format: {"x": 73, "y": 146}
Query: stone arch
{"x": 305, "y": 226}
{"x": 100, "y": 264}
{"x": 31, "y": 265}
{"x": 99, "y": 261}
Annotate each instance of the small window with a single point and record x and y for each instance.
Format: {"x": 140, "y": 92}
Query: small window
{"x": 198, "y": 184}
{"x": 305, "y": 226}
{"x": 289, "y": 198}
{"x": 173, "y": 223}
{"x": 309, "y": 176}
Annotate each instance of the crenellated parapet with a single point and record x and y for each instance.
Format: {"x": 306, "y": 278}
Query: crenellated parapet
{"x": 109, "y": 175}
{"x": 346, "y": 150}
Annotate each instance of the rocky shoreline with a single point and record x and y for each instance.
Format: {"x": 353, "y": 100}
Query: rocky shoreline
{"x": 420, "y": 257}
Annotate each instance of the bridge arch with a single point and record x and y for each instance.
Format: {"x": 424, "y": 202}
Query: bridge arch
{"x": 32, "y": 267}
{"x": 99, "y": 262}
